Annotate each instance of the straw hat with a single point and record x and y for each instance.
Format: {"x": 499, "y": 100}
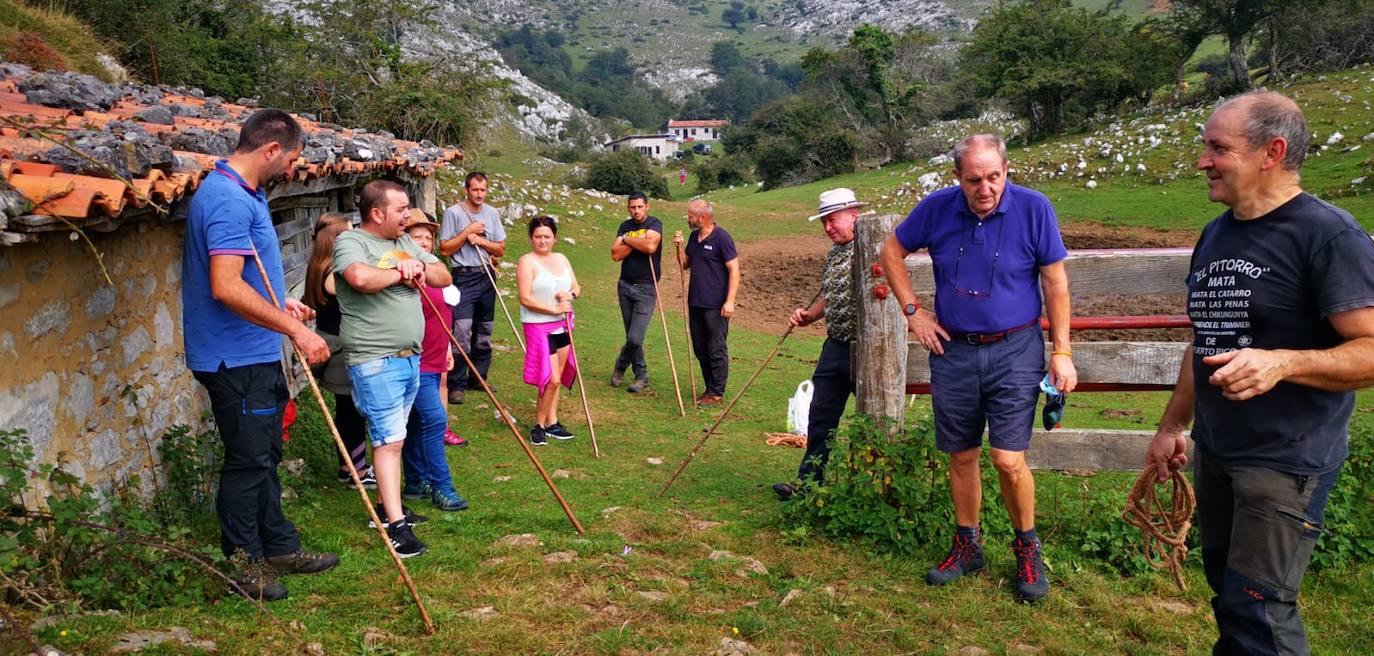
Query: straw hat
{"x": 835, "y": 200}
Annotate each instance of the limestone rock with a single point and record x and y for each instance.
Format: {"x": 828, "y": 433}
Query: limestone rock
{"x": 518, "y": 540}
{"x": 560, "y": 557}
{"x": 732, "y": 647}
{"x": 140, "y": 640}
{"x": 481, "y": 613}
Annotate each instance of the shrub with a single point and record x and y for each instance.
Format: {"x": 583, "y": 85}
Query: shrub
{"x": 1349, "y": 516}
{"x": 717, "y": 172}
{"x": 623, "y": 172}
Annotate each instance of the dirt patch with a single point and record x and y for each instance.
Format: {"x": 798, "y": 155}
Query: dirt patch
{"x": 781, "y": 274}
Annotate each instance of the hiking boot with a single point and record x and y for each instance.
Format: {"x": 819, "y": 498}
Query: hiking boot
{"x": 557, "y": 432}
{"x": 537, "y": 436}
{"x": 455, "y": 397}
{"x": 784, "y": 491}
{"x": 411, "y": 518}
{"x": 638, "y": 386}
{"x": 403, "y": 540}
{"x": 707, "y": 400}
{"x": 965, "y": 557}
{"x": 448, "y": 500}
{"x": 1031, "y": 584}
{"x": 303, "y": 562}
{"x": 413, "y": 492}
{"x": 369, "y": 481}
{"x": 617, "y": 378}
{"x": 454, "y": 439}
{"x": 259, "y": 581}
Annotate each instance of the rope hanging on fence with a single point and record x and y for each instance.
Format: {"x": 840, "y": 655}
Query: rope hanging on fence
{"x": 1165, "y": 532}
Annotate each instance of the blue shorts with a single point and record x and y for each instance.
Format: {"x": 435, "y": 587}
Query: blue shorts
{"x": 384, "y": 390}
{"x": 994, "y": 385}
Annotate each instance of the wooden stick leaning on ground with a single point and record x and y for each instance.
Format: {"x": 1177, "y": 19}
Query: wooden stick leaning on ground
{"x": 687, "y": 323}
{"x": 343, "y": 453}
{"x": 731, "y": 405}
{"x": 581, "y": 386}
{"x": 672, "y": 366}
{"x": 487, "y": 268}
{"x": 505, "y": 416}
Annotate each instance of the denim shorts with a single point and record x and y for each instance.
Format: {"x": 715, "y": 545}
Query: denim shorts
{"x": 384, "y": 390}
{"x": 994, "y": 385}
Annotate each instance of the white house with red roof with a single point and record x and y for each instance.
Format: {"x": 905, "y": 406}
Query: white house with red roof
{"x": 697, "y": 130}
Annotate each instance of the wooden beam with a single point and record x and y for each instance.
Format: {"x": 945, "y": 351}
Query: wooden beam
{"x": 303, "y": 222}
{"x": 294, "y": 202}
{"x": 1097, "y": 271}
{"x": 1126, "y": 363}
{"x": 877, "y": 357}
{"x": 310, "y": 187}
{"x": 1091, "y": 449}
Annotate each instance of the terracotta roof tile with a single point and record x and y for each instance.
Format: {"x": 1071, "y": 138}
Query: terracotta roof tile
{"x": 76, "y": 196}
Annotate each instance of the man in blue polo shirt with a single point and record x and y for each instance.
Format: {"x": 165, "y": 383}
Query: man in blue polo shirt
{"x": 233, "y": 337}
{"x": 993, "y": 246}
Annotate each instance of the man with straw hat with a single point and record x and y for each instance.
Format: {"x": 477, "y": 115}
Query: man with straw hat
{"x": 833, "y": 380}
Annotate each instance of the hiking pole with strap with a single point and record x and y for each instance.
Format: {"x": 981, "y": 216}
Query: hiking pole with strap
{"x": 687, "y": 323}
{"x": 487, "y": 269}
{"x": 581, "y": 386}
{"x": 658, "y": 300}
{"x": 731, "y": 405}
{"x": 343, "y": 452}
{"x": 505, "y": 416}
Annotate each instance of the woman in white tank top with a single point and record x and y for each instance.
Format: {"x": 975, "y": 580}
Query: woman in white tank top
{"x": 547, "y": 288}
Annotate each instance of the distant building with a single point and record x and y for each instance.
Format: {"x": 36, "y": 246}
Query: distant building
{"x": 706, "y": 130}
{"x": 658, "y": 146}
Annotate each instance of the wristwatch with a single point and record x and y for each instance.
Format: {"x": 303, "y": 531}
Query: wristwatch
{"x": 910, "y": 308}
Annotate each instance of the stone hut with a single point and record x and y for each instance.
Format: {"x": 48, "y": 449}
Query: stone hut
{"x": 95, "y": 181}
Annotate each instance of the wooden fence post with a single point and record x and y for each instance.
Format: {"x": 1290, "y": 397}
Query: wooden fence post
{"x": 880, "y": 350}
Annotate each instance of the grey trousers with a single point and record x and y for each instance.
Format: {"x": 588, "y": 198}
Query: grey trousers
{"x": 636, "y": 311}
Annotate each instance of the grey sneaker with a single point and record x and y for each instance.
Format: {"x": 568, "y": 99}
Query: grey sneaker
{"x": 303, "y": 562}
{"x": 638, "y": 386}
{"x": 617, "y": 378}
{"x": 259, "y": 581}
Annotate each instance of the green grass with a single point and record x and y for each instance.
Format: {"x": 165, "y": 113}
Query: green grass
{"x": 71, "y": 39}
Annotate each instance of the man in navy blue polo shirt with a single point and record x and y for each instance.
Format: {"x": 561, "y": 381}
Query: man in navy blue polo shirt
{"x": 233, "y": 337}
{"x": 993, "y": 246}
{"x": 714, "y": 263}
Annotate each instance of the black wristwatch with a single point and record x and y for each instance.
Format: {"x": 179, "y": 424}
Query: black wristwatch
{"x": 910, "y": 309}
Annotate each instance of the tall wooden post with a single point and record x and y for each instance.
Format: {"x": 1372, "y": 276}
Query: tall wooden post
{"x": 879, "y": 356}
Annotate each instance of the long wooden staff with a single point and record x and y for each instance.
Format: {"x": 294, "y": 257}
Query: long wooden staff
{"x": 581, "y": 386}
{"x": 727, "y": 409}
{"x": 658, "y": 301}
{"x": 686, "y": 322}
{"x": 486, "y": 268}
{"x": 505, "y": 416}
{"x": 348, "y": 458}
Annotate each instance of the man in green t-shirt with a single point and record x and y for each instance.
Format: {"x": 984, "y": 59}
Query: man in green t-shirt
{"x": 378, "y": 269}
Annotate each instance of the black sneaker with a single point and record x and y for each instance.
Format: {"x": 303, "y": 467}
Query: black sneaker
{"x": 303, "y": 562}
{"x": 411, "y": 518}
{"x": 557, "y": 432}
{"x": 1031, "y": 584}
{"x": 537, "y": 436}
{"x": 965, "y": 557}
{"x": 403, "y": 540}
{"x": 369, "y": 481}
{"x": 259, "y": 581}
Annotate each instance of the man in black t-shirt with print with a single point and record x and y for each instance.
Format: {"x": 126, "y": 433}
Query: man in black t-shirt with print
{"x": 1281, "y": 295}
{"x": 637, "y": 240}
{"x": 714, "y": 263}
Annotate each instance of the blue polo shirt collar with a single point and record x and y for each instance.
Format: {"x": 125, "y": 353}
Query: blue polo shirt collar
{"x": 222, "y": 167}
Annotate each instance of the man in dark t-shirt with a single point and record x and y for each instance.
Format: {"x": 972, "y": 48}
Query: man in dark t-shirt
{"x": 636, "y": 248}
{"x": 1281, "y": 295}
{"x": 714, "y": 262}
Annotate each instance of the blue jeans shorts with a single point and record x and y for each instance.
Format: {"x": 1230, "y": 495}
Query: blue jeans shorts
{"x": 994, "y": 385}
{"x": 384, "y": 390}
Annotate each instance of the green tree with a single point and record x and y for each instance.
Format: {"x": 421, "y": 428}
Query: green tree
{"x": 623, "y": 172}
{"x": 1236, "y": 20}
{"x": 734, "y": 15}
{"x": 725, "y": 57}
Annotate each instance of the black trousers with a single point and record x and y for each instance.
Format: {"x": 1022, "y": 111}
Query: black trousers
{"x": 353, "y": 430}
{"x": 832, "y": 385}
{"x": 248, "y": 403}
{"x": 709, "y": 333}
{"x": 473, "y": 321}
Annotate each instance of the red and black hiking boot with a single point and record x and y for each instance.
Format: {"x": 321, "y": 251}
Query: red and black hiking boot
{"x": 965, "y": 557}
{"x": 1031, "y": 584}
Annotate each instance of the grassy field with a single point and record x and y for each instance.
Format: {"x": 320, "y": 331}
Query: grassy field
{"x": 643, "y": 579}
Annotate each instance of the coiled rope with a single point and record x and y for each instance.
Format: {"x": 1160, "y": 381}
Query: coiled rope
{"x": 1165, "y": 532}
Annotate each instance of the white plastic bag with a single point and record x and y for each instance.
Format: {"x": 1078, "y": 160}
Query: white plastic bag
{"x": 799, "y": 409}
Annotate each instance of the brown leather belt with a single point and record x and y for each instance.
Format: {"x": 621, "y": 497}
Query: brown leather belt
{"x": 979, "y": 339}
{"x": 405, "y": 353}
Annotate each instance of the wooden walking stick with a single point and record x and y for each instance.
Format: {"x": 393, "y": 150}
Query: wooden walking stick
{"x": 486, "y": 268}
{"x": 731, "y": 405}
{"x": 505, "y": 416}
{"x": 343, "y": 452}
{"x": 687, "y": 323}
{"x": 658, "y": 300}
{"x": 581, "y": 386}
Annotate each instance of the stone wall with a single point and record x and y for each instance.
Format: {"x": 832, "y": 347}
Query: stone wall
{"x": 95, "y": 373}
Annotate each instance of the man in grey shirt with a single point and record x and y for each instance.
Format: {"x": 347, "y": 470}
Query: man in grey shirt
{"x": 471, "y": 234}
